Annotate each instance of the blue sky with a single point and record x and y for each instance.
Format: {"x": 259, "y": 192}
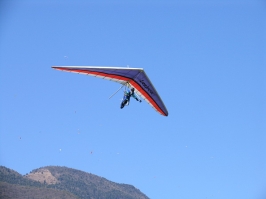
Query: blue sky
{"x": 206, "y": 59}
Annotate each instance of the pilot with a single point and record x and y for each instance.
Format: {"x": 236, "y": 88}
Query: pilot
{"x": 126, "y": 98}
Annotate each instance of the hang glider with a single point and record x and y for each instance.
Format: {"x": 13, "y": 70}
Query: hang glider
{"x": 130, "y": 77}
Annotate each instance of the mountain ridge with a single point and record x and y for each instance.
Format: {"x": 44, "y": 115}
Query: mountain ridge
{"x": 66, "y": 181}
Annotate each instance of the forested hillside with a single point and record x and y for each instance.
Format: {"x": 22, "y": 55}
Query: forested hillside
{"x": 62, "y": 182}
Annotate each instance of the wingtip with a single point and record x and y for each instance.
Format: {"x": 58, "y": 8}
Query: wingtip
{"x": 55, "y": 67}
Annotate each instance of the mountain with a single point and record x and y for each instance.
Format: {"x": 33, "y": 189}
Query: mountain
{"x": 62, "y": 182}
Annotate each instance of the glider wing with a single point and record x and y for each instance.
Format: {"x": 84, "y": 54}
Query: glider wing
{"x": 135, "y": 77}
